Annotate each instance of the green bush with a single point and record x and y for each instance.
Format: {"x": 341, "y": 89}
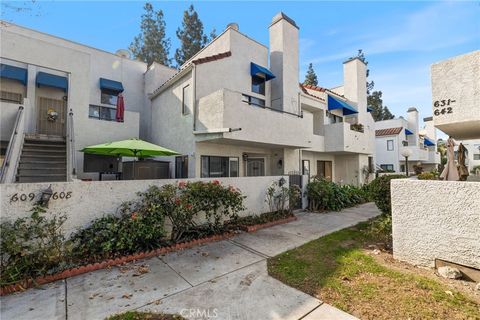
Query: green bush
{"x": 326, "y": 195}
{"x": 282, "y": 198}
{"x": 427, "y": 176}
{"x": 380, "y": 231}
{"x": 380, "y": 191}
{"x": 32, "y": 247}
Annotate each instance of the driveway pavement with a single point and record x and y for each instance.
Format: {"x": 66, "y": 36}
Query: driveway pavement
{"x": 221, "y": 280}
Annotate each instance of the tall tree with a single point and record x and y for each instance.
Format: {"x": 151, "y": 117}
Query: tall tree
{"x": 379, "y": 112}
{"x": 310, "y": 76}
{"x": 152, "y": 44}
{"x": 191, "y": 35}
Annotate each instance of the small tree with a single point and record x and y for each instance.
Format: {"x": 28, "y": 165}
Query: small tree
{"x": 311, "y": 76}
{"x": 379, "y": 112}
{"x": 191, "y": 36}
{"x": 151, "y": 45}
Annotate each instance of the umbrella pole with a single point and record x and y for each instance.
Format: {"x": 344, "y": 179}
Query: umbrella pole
{"x": 134, "y": 159}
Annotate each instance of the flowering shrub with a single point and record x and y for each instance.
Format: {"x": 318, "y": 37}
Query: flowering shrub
{"x": 281, "y": 198}
{"x": 32, "y": 246}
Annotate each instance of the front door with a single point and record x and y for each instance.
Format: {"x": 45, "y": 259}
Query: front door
{"x": 324, "y": 170}
{"x": 51, "y": 116}
{"x": 255, "y": 167}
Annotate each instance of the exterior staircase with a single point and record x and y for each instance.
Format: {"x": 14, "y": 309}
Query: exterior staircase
{"x": 43, "y": 159}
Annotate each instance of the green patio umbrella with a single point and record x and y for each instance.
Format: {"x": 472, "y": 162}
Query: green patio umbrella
{"x": 129, "y": 148}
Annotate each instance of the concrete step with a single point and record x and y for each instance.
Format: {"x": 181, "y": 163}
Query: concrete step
{"x": 42, "y": 164}
{"x": 43, "y": 137}
{"x": 38, "y": 153}
{"x": 40, "y": 171}
{"x": 39, "y": 145}
{"x": 41, "y": 178}
{"x": 37, "y": 157}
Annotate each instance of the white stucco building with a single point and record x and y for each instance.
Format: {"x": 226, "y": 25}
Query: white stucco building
{"x": 234, "y": 109}
{"x": 393, "y": 136}
{"x": 456, "y": 95}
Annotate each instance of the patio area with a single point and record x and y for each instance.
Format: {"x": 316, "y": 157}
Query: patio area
{"x": 224, "y": 280}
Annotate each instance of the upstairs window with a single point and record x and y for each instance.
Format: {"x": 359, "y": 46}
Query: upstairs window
{"x": 389, "y": 145}
{"x": 258, "y": 84}
{"x": 109, "y": 97}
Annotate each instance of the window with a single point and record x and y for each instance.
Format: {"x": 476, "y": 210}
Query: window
{"x": 109, "y": 97}
{"x": 181, "y": 167}
{"x": 387, "y": 167}
{"x": 331, "y": 118}
{"x": 254, "y": 101}
{"x": 185, "y": 99}
{"x": 217, "y": 167}
{"x": 13, "y": 97}
{"x": 306, "y": 167}
{"x": 476, "y": 156}
{"x": 102, "y": 113}
{"x": 258, "y": 85}
{"x": 402, "y": 168}
{"x": 389, "y": 145}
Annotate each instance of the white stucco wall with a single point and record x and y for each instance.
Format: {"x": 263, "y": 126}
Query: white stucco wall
{"x": 458, "y": 79}
{"x": 91, "y": 200}
{"x": 436, "y": 219}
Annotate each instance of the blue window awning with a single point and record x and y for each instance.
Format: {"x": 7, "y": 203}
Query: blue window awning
{"x": 369, "y": 109}
{"x": 334, "y": 103}
{"x": 408, "y": 132}
{"x": 51, "y": 80}
{"x": 14, "y": 73}
{"x": 428, "y": 142}
{"x": 111, "y": 85}
{"x": 255, "y": 70}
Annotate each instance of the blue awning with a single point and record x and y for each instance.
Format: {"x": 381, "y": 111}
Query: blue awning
{"x": 51, "y": 80}
{"x": 428, "y": 142}
{"x": 111, "y": 85}
{"x": 369, "y": 109}
{"x": 14, "y": 73}
{"x": 334, "y": 103}
{"x": 407, "y": 132}
{"x": 255, "y": 70}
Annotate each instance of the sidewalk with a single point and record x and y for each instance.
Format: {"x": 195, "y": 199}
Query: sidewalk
{"x": 221, "y": 280}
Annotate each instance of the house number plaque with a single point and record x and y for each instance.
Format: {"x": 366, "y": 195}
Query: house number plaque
{"x": 31, "y": 196}
{"x": 443, "y": 107}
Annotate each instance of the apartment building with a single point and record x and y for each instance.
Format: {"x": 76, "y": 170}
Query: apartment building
{"x": 232, "y": 113}
{"x": 394, "y": 136}
{"x": 234, "y": 109}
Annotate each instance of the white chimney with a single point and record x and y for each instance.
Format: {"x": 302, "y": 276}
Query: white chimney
{"x": 284, "y": 63}
{"x": 430, "y": 128}
{"x": 412, "y": 120}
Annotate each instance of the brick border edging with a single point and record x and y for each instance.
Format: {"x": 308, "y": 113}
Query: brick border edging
{"x": 26, "y": 284}
{"x": 269, "y": 224}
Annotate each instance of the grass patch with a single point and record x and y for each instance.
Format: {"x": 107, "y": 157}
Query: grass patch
{"x": 338, "y": 270}
{"x": 134, "y": 315}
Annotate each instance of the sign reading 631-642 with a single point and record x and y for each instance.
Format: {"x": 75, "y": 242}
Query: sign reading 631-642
{"x": 443, "y": 107}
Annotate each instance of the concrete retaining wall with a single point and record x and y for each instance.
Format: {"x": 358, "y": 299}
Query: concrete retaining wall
{"x": 83, "y": 202}
{"x": 436, "y": 219}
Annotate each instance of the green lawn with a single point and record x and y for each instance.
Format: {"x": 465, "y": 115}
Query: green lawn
{"x": 338, "y": 270}
{"x": 134, "y": 315}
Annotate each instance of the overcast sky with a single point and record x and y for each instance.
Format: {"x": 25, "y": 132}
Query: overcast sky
{"x": 400, "y": 39}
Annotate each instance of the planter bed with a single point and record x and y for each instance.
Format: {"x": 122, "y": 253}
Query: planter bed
{"x": 26, "y": 284}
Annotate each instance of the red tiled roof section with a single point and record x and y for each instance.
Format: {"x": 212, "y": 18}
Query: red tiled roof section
{"x": 212, "y": 58}
{"x": 388, "y": 131}
{"x": 319, "y": 89}
{"x": 308, "y": 93}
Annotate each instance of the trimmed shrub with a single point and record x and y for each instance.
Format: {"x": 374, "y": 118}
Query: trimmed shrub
{"x": 427, "y": 176}
{"x": 380, "y": 192}
{"x": 32, "y": 247}
{"x": 380, "y": 231}
{"x": 326, "y": 195}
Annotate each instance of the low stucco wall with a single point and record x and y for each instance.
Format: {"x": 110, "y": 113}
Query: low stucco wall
{"x": 85, "y": 201}
{"x": 436, "y": 219}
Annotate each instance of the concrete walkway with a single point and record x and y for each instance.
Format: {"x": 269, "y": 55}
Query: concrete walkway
{"x": 222, "y": 280}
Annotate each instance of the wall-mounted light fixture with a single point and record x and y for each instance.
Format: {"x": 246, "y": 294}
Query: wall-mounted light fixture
{"x": 245, "y": 156}
{"x": 45, "y": 197}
